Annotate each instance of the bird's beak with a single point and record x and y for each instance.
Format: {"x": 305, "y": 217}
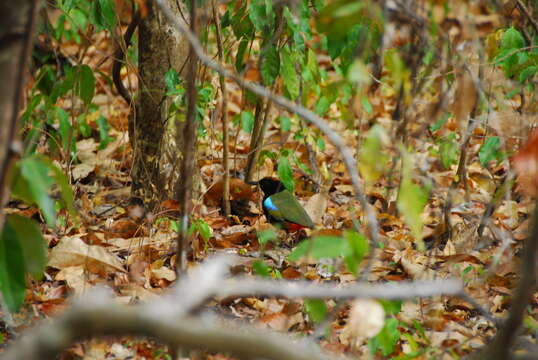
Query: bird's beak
{"x": 252, "y": 182}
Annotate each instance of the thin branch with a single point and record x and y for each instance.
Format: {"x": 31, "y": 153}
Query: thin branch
{"x": 401, "y": 290}
{"x": 304, "y": 113}
{"x": 189, "y": 149}
{"x": 523, "y": 8}
{"x": 110, "y": 319}
{"x": 224, "y": 117}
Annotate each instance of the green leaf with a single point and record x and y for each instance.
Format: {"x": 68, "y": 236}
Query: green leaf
{"x": 270, "y": 66}
{"x": 285, "y": 123}
{"x": 102, "y": 124}
{"x": 261, "y": 268}
{"x": 512, "y": 39}
{"x": 63, "y": 183}
{"x": 247, "y": 121}
{"x": 85, "y": 83}
{"x": 359, "y": 247}
{"x": 490, "y": 150}
{"x": 321, "y": 247}
{"x": 239, "y": 57}
{"x": 171, "y": 81}
{"x": 527, "y": 73}
{"x": 262, "y": 15}
{"x": 372, "y": 159}
{"x": 322, "y": 106}
{"x": 448, "y": 151}
{"x": 36, "y": 174}
{"x": 387, "y": 338}
{"x": 66, "y": 131}
{"x": 266, "y": 236}
{"x": 366, "y": 105}
{"x": 338, "y": 17}
{"x": 204, "y": 229}
{"x": 32, "y": 243}
{"x": 289, "y": 75}
{"x": 12, "y": 269}
{"x": 391, "y": 307}
{"x": 316, "y": 309}
{"x": 411, "y": 199}
{"x": 285, "y": 173}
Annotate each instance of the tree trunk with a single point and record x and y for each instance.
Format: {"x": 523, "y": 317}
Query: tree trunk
{"x": 16, "y": 30}
{"x": 160, "y": 47}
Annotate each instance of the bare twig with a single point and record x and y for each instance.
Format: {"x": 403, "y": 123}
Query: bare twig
{"x": 402, "y": 290}
{"x": 500, "y": 347}
{"x": 187, "y": 165}
{"x": 111, "y": 319}
{"x": 523, "y": 8}
{"x": 224, "y": 116}
{"x": 304, "y": 113}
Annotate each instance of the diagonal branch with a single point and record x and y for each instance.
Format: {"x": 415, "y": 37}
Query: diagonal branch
{"x": 304, "y": 113}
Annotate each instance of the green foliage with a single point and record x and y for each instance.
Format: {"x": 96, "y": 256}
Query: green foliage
{"x": 386, "y": 340}
{"x": 22, "y": 251}
{"x": 352, "y": 247}
{"x": 490, "y": 150}
{"x": 32, "y": 181}
{"x": 448, "y": 150}
{"x": 411, "y": 199}
{"x": 517, "y": 62}
{"x": 316, "y": 309}
{"x": 285, "y": 173}
{"x": 266, "y": 236}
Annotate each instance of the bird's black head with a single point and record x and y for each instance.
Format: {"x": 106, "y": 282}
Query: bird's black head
{"x": 269, "y": 186}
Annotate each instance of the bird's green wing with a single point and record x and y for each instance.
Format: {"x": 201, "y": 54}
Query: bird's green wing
{"x": 290, "y": 209}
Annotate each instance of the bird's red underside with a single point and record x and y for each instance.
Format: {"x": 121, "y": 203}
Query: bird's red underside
{"x": 293, "y": 227}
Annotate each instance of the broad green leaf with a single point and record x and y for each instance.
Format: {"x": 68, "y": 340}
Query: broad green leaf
{"x": 12, "y": 269}
{"x": 66, "y": 131}
{"x": 372, "y": 159}
{"x": 338, "y": 17}
{"x": 266, "y": 236}
{"x": 108, "y": 14}
{"x": 63, "y": 183}
{"x": 448, "y": 151}
{"x": 411, "y": 199}
{"x": 527, "y": 73}
{"x": 285, "y": 123}
{"x": 85, "y": 83}
{"x": 490, "y": 150}
{"x": 512, "y": 39}
{"x": 387, "y": 338}
{"x": 239, "y": 57}
{"x": 261, "y": 268}
{"x": 32, "y": 243}
{"x": 322, "y": 106}
{"x": 102, "y": 124}
{"x": 285, "y": 173}
{"x": 358, "y": 244}
{"x": 321, "y": 247}
{"x": 316, "y": 309}
{"x": 262, "y": 15}
{"x": 171, "y": 80}
{"x": 36, "y": 173}
{"x": 366, "y": 105}
{"x": 289, "y": 75}
{"x": 247, "y": 121}
{"x": 391, "y": 306}
{"x": 270, "y": 66}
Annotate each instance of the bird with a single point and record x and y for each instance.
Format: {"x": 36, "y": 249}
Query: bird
{"x": 281, "y": 207}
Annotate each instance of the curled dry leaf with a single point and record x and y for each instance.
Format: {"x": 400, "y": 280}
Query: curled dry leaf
{"x": 316, "y": 206}
{"x": 72, "y": 251}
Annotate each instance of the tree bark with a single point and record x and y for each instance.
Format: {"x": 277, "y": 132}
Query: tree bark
{"x": 160, "y": 47}
{"x": 16, "y": 32}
